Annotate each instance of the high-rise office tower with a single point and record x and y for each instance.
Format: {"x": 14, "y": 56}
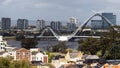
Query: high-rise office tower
{"x": 56, "y": 25}
{"x": 40, "y": 24}
{"x": 5, "y": 23}
{"x": 111, "y": 17}
{"x": 96, "y": 24}
{"x": 102, "y": 24}
{"x": 73, "y": 20}
{"x": 22, "y": 23}
{"x": 0, "y": 25}
{"x": 72, "y": 24}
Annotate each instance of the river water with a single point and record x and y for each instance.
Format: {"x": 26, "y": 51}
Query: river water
{"x": 43, "y": 44}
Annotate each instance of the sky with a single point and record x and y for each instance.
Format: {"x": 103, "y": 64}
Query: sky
{"x": 60, "y": 10}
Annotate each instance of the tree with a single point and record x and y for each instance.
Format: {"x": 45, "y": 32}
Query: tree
{"x": 113, "y": 52}
{"x": 60, "y": 47}
{"x": 15, "y": 64}
{"x": 110, "y": 42}
{"x": 24, "y": 64}
{"x": 4, "y": 63}
{"x": 7, "y": 63}
{"x": 90, "y": 46}
{"x": 50, "y": 56}
{"x": 29, "y": 43}
{"x": 107, "y": 46}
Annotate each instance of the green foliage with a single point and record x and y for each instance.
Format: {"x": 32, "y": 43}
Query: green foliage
{"x": 108, "y": 46}
{"x": 99, "y": 53}
{"x": 114, "y": 51}
{"x": 15, "y": 64}
{"x": 50, "y": 56}
{"x": 60, "y": 47}
{"x": 6, "y": 63}
{"x": 24, "y": 64}
{"x": 90, "y": 45}
{"x": 28, "y": 43}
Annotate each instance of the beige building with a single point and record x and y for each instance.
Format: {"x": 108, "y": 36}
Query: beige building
{"x": 22, "y": 54}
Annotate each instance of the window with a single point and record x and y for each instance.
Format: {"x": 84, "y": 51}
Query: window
{"x": 18, "y": 53}
{"x": 28, "y": 53}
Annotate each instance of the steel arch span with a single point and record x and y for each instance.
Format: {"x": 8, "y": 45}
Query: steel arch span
{"x": 80, "y": 28}
{"x": 49, "y": 28}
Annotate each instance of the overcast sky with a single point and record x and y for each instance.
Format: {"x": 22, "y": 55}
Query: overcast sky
{"x": 60, "y": 10}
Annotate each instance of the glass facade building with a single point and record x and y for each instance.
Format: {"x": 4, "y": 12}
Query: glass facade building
{"x": 111, "y": 17}
{"x": 96, "y": 24}
{"x": 5, "y": 23}
{"x": 71, "y": 27}
{"x": 102, "y": 24}
{"x": 40, "y": 24}
{"x": 56, "y": 25}
{"x": 22, "y": 23}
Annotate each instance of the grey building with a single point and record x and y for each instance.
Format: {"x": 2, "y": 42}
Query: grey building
{"x": 102, "y": 24}
{"x": 73, "y": 20}
{"x": 0, "y": 25}
{"x": 71, "y": 26}
{"x": 111, "y": 17}
{"x": 56, "y": 25}
{"x": 40, "y": 24}
{"x": 5, "y": 23}
{"x": 96, "y": 24}
{"x": 22, "y": 23}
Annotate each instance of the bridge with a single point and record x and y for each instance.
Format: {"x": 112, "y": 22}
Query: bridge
{"x": 79, "y": 29}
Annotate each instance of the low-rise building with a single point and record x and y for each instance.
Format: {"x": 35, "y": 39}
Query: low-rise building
{"x": 68, "y": 59}
{"x": 3, "y": 44}
{"x": 40, "y": 57}
{"x": 22, "y": 54}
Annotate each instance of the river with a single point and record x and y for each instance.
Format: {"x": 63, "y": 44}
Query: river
{"x": 43, "y": 44}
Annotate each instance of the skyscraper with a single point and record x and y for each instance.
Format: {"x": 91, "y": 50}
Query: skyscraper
{"x": 5, "y": 23}
{"x": 0, "y": 25}
{"x": 96, "y": 24}
{"x": 111, "y": 17}
{"x": 73, "y": 20}
{"x": 22, "y": 23}
{"x": 102, "y": 24}
{"x": 72, "y": 24}
{"x": 40, "y": 24}
{"x": 56, "y": 25}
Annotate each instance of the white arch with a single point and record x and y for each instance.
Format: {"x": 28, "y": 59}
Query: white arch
{"x": 55, "y": 34}
{"x": 80, "y": 28}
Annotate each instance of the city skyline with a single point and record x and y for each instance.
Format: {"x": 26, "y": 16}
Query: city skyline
{"x": 56, "y": 10}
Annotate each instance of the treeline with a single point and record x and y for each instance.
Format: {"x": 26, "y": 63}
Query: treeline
{"x": 108, "y": 46}
{"x": 7, "y": 63}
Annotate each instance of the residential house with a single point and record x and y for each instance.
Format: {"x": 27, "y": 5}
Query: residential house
{"x": 39, "y": 56}
{"x": 75, "y": 57}
{"x": 70, "y": 58}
